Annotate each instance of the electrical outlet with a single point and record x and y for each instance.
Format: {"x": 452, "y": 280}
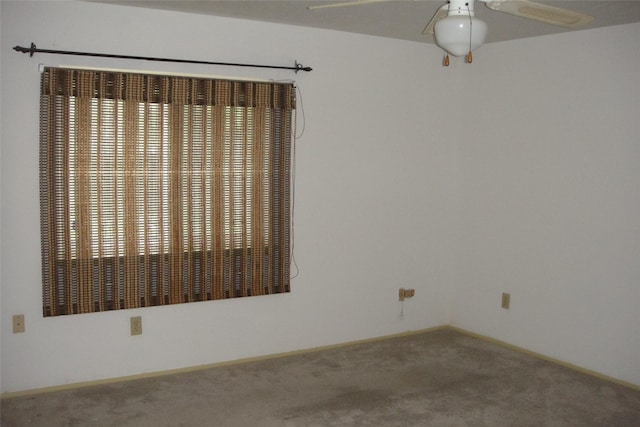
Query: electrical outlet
{"x": 136, "y": 325}
{"x": 506, "y": 300}
{"x": 18, "y": 323}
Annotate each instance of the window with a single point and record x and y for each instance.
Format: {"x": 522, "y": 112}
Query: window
{"x": 162, "y": 190}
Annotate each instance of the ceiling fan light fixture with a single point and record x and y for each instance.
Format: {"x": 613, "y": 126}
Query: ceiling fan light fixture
{"x": 460, "y": 34}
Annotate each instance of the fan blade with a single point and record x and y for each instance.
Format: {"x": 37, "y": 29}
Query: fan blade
{"x": 541, "y": 12}
{"x": 441, "y": 13}
{"x": 341, "y": 4}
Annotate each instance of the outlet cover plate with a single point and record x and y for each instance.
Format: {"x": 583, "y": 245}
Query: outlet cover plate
{"x": 18, "y": 324}
{"x": 136, "y": 325}
{"x": 506, "y": 300}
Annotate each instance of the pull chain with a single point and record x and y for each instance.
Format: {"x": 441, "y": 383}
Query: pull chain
{"x": 469, "y": 55}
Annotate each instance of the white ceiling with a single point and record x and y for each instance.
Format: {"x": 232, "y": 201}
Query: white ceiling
{"x": 393, "y": 18}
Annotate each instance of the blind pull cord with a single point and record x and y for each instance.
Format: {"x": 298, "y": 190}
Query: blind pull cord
{"x": 33, "y": 49}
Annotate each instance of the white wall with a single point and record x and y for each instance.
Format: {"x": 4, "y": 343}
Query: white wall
{"x": 550, "y": 198}
{"x": 534, "y": 191}
{"x": 375, "y": 204}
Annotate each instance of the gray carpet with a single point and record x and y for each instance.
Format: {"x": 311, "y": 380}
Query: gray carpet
{"x": 438, "y": 378}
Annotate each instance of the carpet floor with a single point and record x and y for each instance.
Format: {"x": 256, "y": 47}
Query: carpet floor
{"x": 437, "y": 378}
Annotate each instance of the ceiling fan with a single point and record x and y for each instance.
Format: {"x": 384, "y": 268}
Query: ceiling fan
{"x": 458, "y": 31}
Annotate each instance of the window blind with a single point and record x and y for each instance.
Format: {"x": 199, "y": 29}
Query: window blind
{"x": 162, "y": 190}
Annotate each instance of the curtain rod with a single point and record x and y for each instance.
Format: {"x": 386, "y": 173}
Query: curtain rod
{"x": 33, "y": 49}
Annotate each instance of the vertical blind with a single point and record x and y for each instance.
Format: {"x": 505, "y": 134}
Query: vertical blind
{"x": 161, "y": 189}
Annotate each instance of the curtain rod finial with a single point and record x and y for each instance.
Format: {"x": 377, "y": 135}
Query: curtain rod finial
{"x": 300, "y": 67}
{"x": 31, "y": 49}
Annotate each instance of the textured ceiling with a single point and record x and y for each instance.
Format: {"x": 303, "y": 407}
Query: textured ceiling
{"x": 393, "y": 18}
